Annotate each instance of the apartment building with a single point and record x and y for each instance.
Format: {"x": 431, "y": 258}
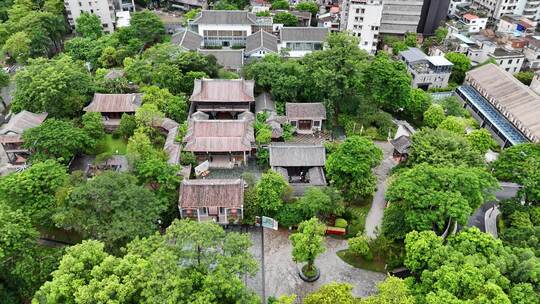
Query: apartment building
{"x": 400, "y": 16}
{"x": 497, "y": 8}
{"x": 427, "y": 71}
{"x": 105, "y": 9}
{"x": 362, "y": 18}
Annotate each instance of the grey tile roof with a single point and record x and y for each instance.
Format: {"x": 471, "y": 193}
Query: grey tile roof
{"x": 264, "y": 102}
{"x": 223, "y": 90}
{"x": 305, "y": 110}
{"x": 307, "y": 34}
{"x": 197, "y": 193}
{"x": 187, "y": 39}
{"x": 413, "y": 55}
{"x": 297, "y": 155}
{"x": 261, "y": 39}
{"x": 229, "y": 59}
{"x": 22, "y": 121}
{"x": 402, "y": 144}
{"x": 225, "y": 17}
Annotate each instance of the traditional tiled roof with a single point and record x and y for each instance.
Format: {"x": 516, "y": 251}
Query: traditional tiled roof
{"x": 225, "y": 17}
{"x": 223, "y": 90}
{"x": 402, "y": 144}
{"x": 514, "y": 100}
{"x": 305, "y": 110}
{"x": 22, "y": 121}
{"x": 171, "y": 146}
{"x": 114, "y": 103}
{"x": 114, "y": 74}
{"x": 264, "y": 102}
{"x": 229, "y": 59}
{"x": 196, "y": 193}
{"x": 261, "y": 40}
{"x": 307, "y": 34}
{"x": 297, "y": 155}
{"x": 187, "y": 39}
{"x": 219, "y": 136}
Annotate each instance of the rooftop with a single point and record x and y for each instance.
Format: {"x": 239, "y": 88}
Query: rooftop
{"x": 219, "y": 136}
{"x": 500, "y": 52}
{"x": 517, "y": 102}
{"x": 114, "y": 103}
{"x": 187, "y": 39}
{"x": 211, "y": 193}
{"x": 439, "y": 61}
{"x": 264, "y": 102}
{"x": 469, "y": 16}
{"x": 225, "y": 17}
{"x": 307, "y": 34}
{"x": 223, "y": 90}
{"x": 22, "y": 121}
{"x": 229, "y": 59}
{"x": 305, "y": 110}
{"x": 297, "y": 155}
{"x": 413, "y": 55}
{"x": 261, "y": 39}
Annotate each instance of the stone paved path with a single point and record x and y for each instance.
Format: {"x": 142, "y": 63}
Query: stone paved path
{"x": 375, "y": 215}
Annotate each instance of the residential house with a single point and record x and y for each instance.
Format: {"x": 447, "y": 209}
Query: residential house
{"x": 222, "y": 98}
{"x": 11, "y": 135}
{"x": 304, "y": 17}
{"x": 306, "y": 118}
{"x": 472, "y": 23}
{"x": 113, "y": 106}
{"x": 217, "y": 200}
{"x": 362, "y": 19}
{"x": 260, "y": 44}
{"x": 495, "y": 9}
{"x": 329, "y": 20}
{"x": 532, "y": 53}
{"x": 510, "y": 60}
{"x": 230, "y": 60}
{"x": 224, "y": 28}
{"x": 301, "y": 165}
{"x": 299, "y": 41}
{"x": 516, "y": 25}
{"x": 223, "y": 143}
{"x": 502, "y": 104}
{"x": 427, "y": 71}
{"x": 187, "y": 40}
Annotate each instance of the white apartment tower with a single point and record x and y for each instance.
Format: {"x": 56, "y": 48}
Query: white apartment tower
{"x": 103, "y": 8}
{"x": 362, "y": 18}
{"x": 401, "y": 16}
{"x": 496, "y": 8}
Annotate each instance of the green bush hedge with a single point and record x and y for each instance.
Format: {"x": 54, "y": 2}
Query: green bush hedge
{"x": 341, "y": 223}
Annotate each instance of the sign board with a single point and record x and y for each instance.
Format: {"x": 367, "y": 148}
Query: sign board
{"x": 268, "y": 222}
{"x": 203, "y": 167}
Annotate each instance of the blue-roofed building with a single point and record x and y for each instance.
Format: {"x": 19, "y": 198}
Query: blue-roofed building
{"x": 503, "y": 105}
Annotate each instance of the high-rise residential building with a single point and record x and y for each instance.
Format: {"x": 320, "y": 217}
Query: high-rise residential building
{"x": 401, "y": 16}
{"x": 362, "y": 18}
{"x": 529, "y": 9}
{"x": 433, "y": 13}
{"x": 103, "y": 8}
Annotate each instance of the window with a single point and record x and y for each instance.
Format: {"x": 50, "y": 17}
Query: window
{"x": 293, "y": 123}
{"x": 510, "y": 61}
{"x": 316, "y": 123}
{"x": 221, "y": 210}
{"x": 203, "y": 211}
{"x": 105, "y": 25}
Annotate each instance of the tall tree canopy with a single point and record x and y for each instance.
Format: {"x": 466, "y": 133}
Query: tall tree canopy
{"x": 110, "y": 207}
{"x": 270, "y": 191}
{"x": 89, "y": 26}
{"x": 429, "y": 197}
{"x": 461, "y": 65}
{"x": 193, "y": 263}
{"x": 349, "y": 168}
{"x": 60, "y": 87}
{"x": 147, "y": 26}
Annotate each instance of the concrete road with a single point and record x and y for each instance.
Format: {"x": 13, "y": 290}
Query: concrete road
{"x": 375, "y": 215}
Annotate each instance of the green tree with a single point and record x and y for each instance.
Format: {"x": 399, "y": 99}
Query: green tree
{"x": 147, "y": 26}
{"x": 512, "y": 162}
{"x": 17, "y": 46}
{"x": 308, "y": 243}
{"x": 93, "y": 125}
{"x": 59, "y": 87}
{"x": 434, "y": 115}
{"x": 332, "y": 293}
{"x": 270, "y": 191}
{"x": 308, "y": 6}
{"x": 418, "y": 103}
{"x": 320, "y": 203}
{"x": 280, "y": 5}
{"x": 174, "y": 107}
{"x": 431, "y": 197}
{"x": 359, "y": 245}
{"x": 285, "y": 18}
{"x": 147, "y": 116}
{"x": 481, "y": 140}
{"x": 453, "y": 107}
{"x": 411, "y": 39}
{"x": 349, "y": 168}
{"x": 56, "y": 139}
{"x": 462, "y": 64}
{"x": 33, "y": 190}
{"x": 88, "y": 25}
{"x": 443, "y": 148}
{"x": 111, "y": 208}
{"x": 388, "y": 83}
{"x": 391, "y": 290}
{"x": 453, "y": 124}
{"x": 190, "y": 15}
{"x": 525, "y": 77}
{"x": 127, "y": 125}
{"x": 440, "y": 34}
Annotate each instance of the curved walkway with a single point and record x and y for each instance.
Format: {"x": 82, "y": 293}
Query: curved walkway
{"x": 376, "y": 212}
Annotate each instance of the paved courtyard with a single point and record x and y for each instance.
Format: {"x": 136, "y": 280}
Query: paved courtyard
{"x": 281, "y": 272}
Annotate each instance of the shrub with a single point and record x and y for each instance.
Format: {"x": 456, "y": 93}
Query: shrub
{"x": 359, "y": 245}
{"x": 263, "y": 157}
{"x": 127, "y": 125}
{"x": 341, "y": 223}
{"x": 237, "y": 46}
{"x": 188, "y": 158}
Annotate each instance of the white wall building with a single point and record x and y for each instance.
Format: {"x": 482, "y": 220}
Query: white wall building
{"x": 497, "y": 8}
{"x": 510, "y": 61}
{"x": 473, "y": 23}
{"x": 300, "y": 41}
{"x": 362, "y": 18}
{"x": 224, "y": 28}
{"x": 401, "y": 16}
{"x": 455, "y": 5}
{"x": 103, "y": 8}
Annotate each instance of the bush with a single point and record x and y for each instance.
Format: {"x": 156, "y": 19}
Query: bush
{"x": 127, "y": 125}
{"x": 263, "y": 157}
{"x": 237, "y": 46}
{"x": 188, "y": 158}
{"x": 359, "y": 245}
{"x": 341, "y": 223}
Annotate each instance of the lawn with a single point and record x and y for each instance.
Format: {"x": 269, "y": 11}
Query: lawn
{"x": 111, "y": 145}
{"x": 356, "y": 261}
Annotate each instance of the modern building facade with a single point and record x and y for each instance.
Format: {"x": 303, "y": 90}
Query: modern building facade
{"x": 362, "y": 19}
{"x": 400, "y": 16}
{"x": 104, "y": 9}
{"x": 502, "y": 104}
{"x": 509, "y": 60}
{"x": 300, "y": 41}
{"x": 224, "y": 28}
{"x": 427, "y": 71}
{"x": 497, "y": 8}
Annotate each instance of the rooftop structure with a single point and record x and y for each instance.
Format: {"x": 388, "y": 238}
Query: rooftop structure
{"x": 188, "y": 40}
{"x": 231, "y": 60}
{"x": 260, "y": 44}
{"x": 503, "y": 103}
{"x": 305, "y": 117}
{"x": 264, "y": 103}
{"x": 114, "y": 103}
{"x": 300, "y": 41}
{"x": 22, "y": 121}
{"x": 221, "y": 17}
{"x": 223, "y": 90}
{"x": 427, "y": 71}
